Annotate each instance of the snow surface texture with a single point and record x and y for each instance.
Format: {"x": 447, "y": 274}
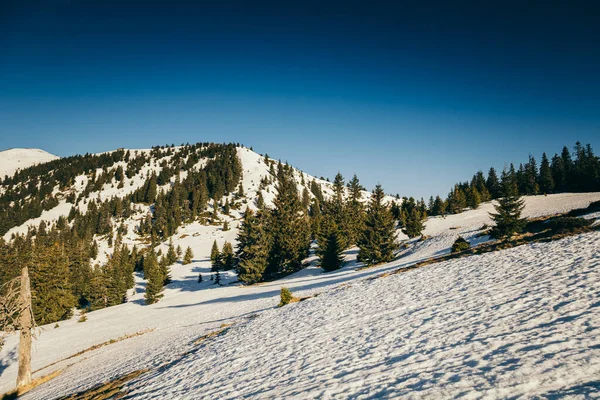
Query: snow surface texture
{"x": 410, "y": 333}
{"x": 511, "y": 323}
{"x": 14, "y": 159}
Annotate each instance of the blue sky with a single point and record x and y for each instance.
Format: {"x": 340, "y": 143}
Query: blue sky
{"x": 415, "y": 98}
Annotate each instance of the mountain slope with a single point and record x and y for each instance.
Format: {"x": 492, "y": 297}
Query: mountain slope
{"x": 190, "y": 310}
{"x": 513, "y": 323}
{"x": 14, "y": 159}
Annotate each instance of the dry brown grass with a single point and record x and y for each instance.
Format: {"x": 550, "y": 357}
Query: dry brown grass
{"x": 108, "y": 390}
{"x": 97, "y": 346}
{"x": 35, "y": 383}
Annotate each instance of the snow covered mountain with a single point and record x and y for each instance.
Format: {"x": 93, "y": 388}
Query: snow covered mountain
{"x": 14, "y": 159}
{"x": 514, "y": 322}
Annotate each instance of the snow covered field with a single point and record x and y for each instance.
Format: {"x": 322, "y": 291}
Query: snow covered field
{"x": 12, "y": 160}
{"x": 409, "y": 334}
{"x": 519, "y": 321}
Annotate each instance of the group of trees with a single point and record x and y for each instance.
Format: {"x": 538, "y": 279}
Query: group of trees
{"x": 562, "y": 173}
{"x": 272, "y": 242}
{"x": 61, "y": 257}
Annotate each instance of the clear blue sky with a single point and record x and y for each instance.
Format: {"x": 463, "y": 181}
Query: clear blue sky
{"x": 414, "y": 98}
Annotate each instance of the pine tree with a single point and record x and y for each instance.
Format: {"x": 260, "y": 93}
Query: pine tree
{"x": 188, "y": 257}
{"x": 508, "y": 212}
{"x": 260, "y": 201}
{"x": 287, "y": 226}
{"x": 493, "y": 184}
{"x": 227, "y": 256}
{"x": 214, "y": 252}
{"x": 52, "y": 298}
{"x": 355, "y": 211}
{"x": 545, "y": 180}
{"x": 154, "y": 277}
{"x": 331, "y": 256}
{"x": 171, "y": 254}
{"x": 414, "y": 224}
{"x": 378, "y": 240}
{"x": 253, "y": 249}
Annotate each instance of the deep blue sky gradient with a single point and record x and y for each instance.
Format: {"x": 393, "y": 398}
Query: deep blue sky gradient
{"x": 413, "y": 97}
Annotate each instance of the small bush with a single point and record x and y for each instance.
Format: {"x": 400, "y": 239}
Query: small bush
{"x": 568, "y": 224}
{"x": 82, "y": 318}
{"x": 286, "y": 297}
{"x": 460, "y": 245}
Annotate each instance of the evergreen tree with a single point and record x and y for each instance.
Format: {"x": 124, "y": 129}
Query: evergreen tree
{"x": 188, "y": 257}
{"x": 288, "y": 227}
{"x": 227, "y": 256}
{"x": 508, "y": 212}
{"x": 154, "y": 277}
{"x": 545, "y": 180}
{"x": 331, "y": 256}
{"x": 214, "y": 252}
{"x": 52, "y": 297}
{"x": 260, "y": 201}
{"x": 559, "y": 173}
{"x": 493, "y": 184}
{"x": 171, "y": 254}
{"x": 378, "y": 241}
{"x": 414, "y": 224}
{"x": 253, "y": 249}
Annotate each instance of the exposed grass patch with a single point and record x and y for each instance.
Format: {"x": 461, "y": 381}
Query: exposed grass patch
{"x": 97, "y": 346}
{"x": 224, "y": 328}
{"x": 108, "y": 390}
{"x": 34, "y": 383}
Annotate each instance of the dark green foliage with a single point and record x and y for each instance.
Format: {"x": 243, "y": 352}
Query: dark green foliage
{"x": 545, "y": 180}
{"x": 331, "y": 256}
{"x": 285, "y": 297}
{"x": 52, "y": 298}
{"x": 460, "y": 244}
{"x": 214, "y": 252}
{"x": 154, "y": 278}
{"x": 378, "y": 240}
{"x": 253, "y": 248}
{"x": 508, "y": 213}
{"x": 227, "y": 256}
{"x": 414, "y": 224}
{"x": 189, "y": 255}
{"x": 568, "y": 224}
{"x": 287, "y": 226}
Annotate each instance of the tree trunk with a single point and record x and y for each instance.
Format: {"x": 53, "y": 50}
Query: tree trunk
{"x": 26, "y": 324}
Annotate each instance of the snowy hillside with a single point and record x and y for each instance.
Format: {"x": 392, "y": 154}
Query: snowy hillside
{"x": 494, "y": 323}
{"x": 14, "y": 159}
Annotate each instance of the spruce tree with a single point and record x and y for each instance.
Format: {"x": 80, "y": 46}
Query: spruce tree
{"x": 355, "y": 211}
{"x": 52, "y": 297}
{"x": 227, "y": 256}
{"x": 214, "y": 252}
{"x": 493, "y": 184}
{"x": 188, "y": 257}
{"x": 331, "y": 256}
{"x": 171, "y": 254}
{"x": 253, "y": 248}
{"x": 154, "y": 278}
{"x": 288, "y": 227}
{"x": 508, "y": 212}
{"x": 545, "y": 180}
{"x": 414, "y": 224}
{"x": 378, "y": 240}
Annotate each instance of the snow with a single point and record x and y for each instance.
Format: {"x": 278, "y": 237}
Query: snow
{"x": 12, "y": 160}
{"x": 409, "y": 334}
{"x": 512, "y": 323}
{"x": 508, "y": 323}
